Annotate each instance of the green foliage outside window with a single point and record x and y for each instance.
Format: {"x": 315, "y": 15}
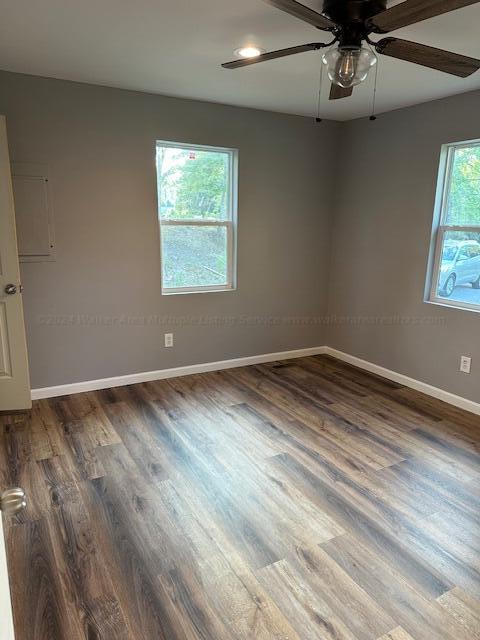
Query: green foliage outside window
{"x": 464, "y": 197}
{"x": 193, "y": 184}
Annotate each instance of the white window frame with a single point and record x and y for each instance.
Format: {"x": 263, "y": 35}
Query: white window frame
{"x": 441, "y": 226}
{"x": 230, "y": 223}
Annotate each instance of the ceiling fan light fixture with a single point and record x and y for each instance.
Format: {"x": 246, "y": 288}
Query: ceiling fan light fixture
{"x": 249, "y": 52}
{"x": 351, "y": 22}
{"x": 348, "y": 66}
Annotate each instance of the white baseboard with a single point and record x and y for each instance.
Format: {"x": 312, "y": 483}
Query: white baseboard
{"x": 428, "y": 389}
{"x": 161, "y": 374}
{"x": 148, "y": 376}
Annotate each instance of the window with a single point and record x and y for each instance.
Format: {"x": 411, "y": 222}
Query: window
{"x": 197, "y": 212}
{"x": 456, "y": 271}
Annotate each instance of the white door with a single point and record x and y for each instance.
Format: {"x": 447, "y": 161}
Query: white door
{"x": 12, "y": 501}
{"x": 14, "y": 378}
{"x": 6, "y": 618}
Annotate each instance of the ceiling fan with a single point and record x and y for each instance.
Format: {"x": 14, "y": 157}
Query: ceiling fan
{"x": 351, "y": 22}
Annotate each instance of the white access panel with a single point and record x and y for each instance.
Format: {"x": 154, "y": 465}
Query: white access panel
{"x": 33, "y": 212}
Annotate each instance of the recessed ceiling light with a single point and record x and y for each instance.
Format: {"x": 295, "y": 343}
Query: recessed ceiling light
{"x": 249, "y": 52}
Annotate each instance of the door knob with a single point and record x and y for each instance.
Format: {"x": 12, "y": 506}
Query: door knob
{"x": 13, "y": 501}
{"x": 10, "y": 289}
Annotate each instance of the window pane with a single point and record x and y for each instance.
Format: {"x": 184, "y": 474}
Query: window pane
{"x": 459, "y": 276}
{"x": 193, "y": 183}
{"x": 463, "y": 207}
{"x": 194, "y": 256}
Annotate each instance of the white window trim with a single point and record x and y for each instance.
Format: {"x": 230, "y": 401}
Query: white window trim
{"x": 440, "y": 227}
{"x": 230, "y": 223}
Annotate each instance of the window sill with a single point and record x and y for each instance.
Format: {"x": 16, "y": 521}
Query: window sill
{"x": 182, "y": 292}
{"x": 458, "y": 306}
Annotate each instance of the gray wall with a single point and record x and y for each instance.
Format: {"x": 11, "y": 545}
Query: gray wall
{"x": 381, "y": 235}
{"x": 351, "y": 239}
{"x": 99, "y": 145}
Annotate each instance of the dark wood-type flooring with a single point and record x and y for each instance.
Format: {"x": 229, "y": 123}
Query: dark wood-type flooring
{"x": 298, "y": 500}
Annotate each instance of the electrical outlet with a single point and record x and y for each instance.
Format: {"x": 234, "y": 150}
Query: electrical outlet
{"x": 169, "y": 339}
{"x": 465, "y": 364}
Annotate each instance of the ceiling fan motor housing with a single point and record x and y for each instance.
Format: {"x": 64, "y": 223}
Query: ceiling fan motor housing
{"x": 351, "y": 16}
{"x": 346, "y": 11}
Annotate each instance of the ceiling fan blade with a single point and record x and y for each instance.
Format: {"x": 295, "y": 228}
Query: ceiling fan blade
{"x": 446, "y": 61}
{"x": 412, "y": 11}
{"x": 337, "y": 92}
{"x": 303, "y": 13}
{"x": 271, "y": 55}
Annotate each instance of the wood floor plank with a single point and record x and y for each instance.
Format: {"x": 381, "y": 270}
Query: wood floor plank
{"x": 463, "y": 608}
{"x": 306, "y": 414}
{"x": 445, "y": 493}
{"x": 41, "y": 608}
{"x": 406, "y": 444}
{"x": 381, "y": 579}
{"x": 343, "y": 604}
{"x": 397, "y": 634}
{"x": 308, "y": 613}
{"x": 296, "y": 500}
{"x": 46, "y": 439}
{"x": 84, "y": 449}
{"x": 248, "y": 608}
{"x": 338, "y": 506}
{"x": 139, "y": 442}
{"x": 129, "y": 559}
{"x": 468, "y": 458}
{"x": 89, "y": 591}
{"x": 437, "y": 408}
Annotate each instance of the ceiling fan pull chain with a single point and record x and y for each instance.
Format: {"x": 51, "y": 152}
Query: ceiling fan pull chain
{"x": 374, "y": 97}
{"x": 318, "y": 119}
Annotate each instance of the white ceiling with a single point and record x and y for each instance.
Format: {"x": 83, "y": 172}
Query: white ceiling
{"x": 175, "y": 47}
